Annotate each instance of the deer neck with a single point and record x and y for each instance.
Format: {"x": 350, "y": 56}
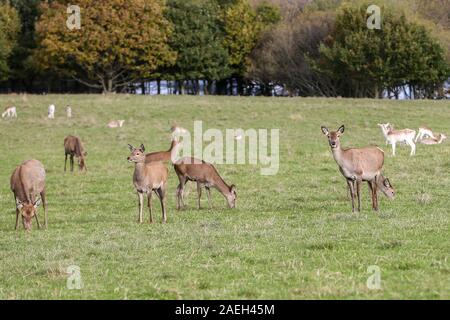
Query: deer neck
{"x": 220, "y": 185}
{"x": 339, "y": 156}
{"x": 139, "y": 171}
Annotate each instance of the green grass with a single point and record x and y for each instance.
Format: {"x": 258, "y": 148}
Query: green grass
{"x": 292, "y": 236}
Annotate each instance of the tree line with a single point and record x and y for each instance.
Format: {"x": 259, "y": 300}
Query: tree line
{"x": 244, "y": 47}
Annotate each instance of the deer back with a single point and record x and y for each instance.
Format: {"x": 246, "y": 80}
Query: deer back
{"x": 28, "y": 180}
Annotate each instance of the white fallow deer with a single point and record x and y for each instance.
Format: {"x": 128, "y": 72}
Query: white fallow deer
{"x": 148, "y": 178}
{"x": 28, "y": 181}
{"x": 438, "y": 140}
{"x": 116, "y": 124}
{"x": 10, "y": 112}
{"x": 69, "y": 112}
{"x": 424, "y": 132}
{"x": 357, "y": 165}
{"x": 51, "y": 111}
{"x": 398, "y": 136}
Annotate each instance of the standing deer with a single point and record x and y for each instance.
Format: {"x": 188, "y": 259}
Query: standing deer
{"x": 51, "y": 111}
{"x": 74, "y": 147}
{"x": 69, "y": 111}
{"x": 27, "y": 181}
{"x": 148, "y": 177}
{"x": 403, "y": 136}
{"x": 437, "y": 140}
{"x": 206, "y": 175}
{"x": 356, "y": 165}
{"x": 10, "y": 112}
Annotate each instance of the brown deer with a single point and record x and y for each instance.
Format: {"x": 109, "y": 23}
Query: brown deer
{"x": 73, "y": 147}
{"x": 27, "y": 181}
{"x": 148, "y": 177}
{"x": 206, "y": 175}
{"x": 356, "y": 165}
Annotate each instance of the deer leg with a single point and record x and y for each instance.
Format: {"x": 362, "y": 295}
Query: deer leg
{"x": 208, "y": 193}
{"x": 17, "y": 218}
{"x": 37, "y": 220}
{"x": 71, "y": 163}
{"x": 199, "y": 193}
{"x": 375, "y": 195}
{"x": 413, "y": 147}
{"x": 162, "y": 196}
{"x": 141, "y": 204}
{"x": 149, "y": 203}
{"x": 44, "y": 206}
{"x": 358, "y": 192}
{"x": 393, "y": 148}
{"x": 350, "y": 184}
{"x": 179, "y": 197}
{"x": 65, "y": 163}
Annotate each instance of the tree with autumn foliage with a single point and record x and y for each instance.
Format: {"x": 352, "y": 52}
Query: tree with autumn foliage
{"x": 119, "y": 42}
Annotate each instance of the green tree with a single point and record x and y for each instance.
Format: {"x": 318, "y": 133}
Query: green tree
{"x": 365, "y": 61}
{"x": 9, "y": 29}
{"x": 197, "y": 39}
{"x": 119, "y": 41}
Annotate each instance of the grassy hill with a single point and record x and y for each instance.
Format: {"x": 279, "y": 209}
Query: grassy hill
{"x": 292, "y": 235}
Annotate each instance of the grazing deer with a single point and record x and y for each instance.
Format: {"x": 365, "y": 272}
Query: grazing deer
{"x": 356, "y": 165}
{"x": 403, "y": 136}
{"x": 51, "y": 111}
{"x": 438, "y": 140}
{"x": 173, "y": 150}
{"x": 74, "y": 147}
{"x": 116, "y": 124}
{"x": 27, "y": 181}
{"x": 424, "y": 132}
{"x": 69, "y": 111}
{"x": 381, "y": 183}
{"x": 9, "y": 112}
{"x": 148, "y": 177}
{"x": 206, "y": 175}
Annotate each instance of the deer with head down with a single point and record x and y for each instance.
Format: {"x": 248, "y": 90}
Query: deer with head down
{"x": 206, "y": 175}
{"x": 27, "y": 181}
{"x": 358, "y": 165}
{"x": 73, "y": 147}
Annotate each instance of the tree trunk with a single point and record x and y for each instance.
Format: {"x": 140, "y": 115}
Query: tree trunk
{"x": 158, "y": 86}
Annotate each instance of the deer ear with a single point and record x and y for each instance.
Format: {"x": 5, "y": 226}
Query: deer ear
{"x": 233, "y": 188}
{"x": 325, "y": 131}
{"x": 37, "y": 203}
{"x": 142, "y": 147}
{"x": 341, "y": 129}
{"x": 387, "y": 183}
{"x": 19, "y": 205}
{"x": 130, "y": 147}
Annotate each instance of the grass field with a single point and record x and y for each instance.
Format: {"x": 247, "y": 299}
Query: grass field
{"x": 292, "y": 235}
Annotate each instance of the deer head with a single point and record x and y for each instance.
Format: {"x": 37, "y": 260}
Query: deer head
{"x": 137, "y": 154}
{"x": 333, "y": 136}
{"x": 386, "y": 187}
{"x": 28, "y": 211}
{"x": 231, "y": 197}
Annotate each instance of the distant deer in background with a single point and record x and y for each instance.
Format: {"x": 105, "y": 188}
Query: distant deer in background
{"x": 206, "y": 175}
{"x": 27, "y": 181}
{"x": 395, "y": 136}
{"x": 424, "y": 132}
{"x": 116, "y": 124}
{"x": 10, "y": 112}
{"x": 73, "y": 147}
{"x": 51, "y": 111}
{"x": 437, "y": 140}
{"x": 69, "y": 111}
{"x": 148, "y": 178}
{"x": 356, "y": 165}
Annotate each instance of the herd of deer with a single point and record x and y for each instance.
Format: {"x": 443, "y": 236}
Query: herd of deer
{"x": 151, "y": 173}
